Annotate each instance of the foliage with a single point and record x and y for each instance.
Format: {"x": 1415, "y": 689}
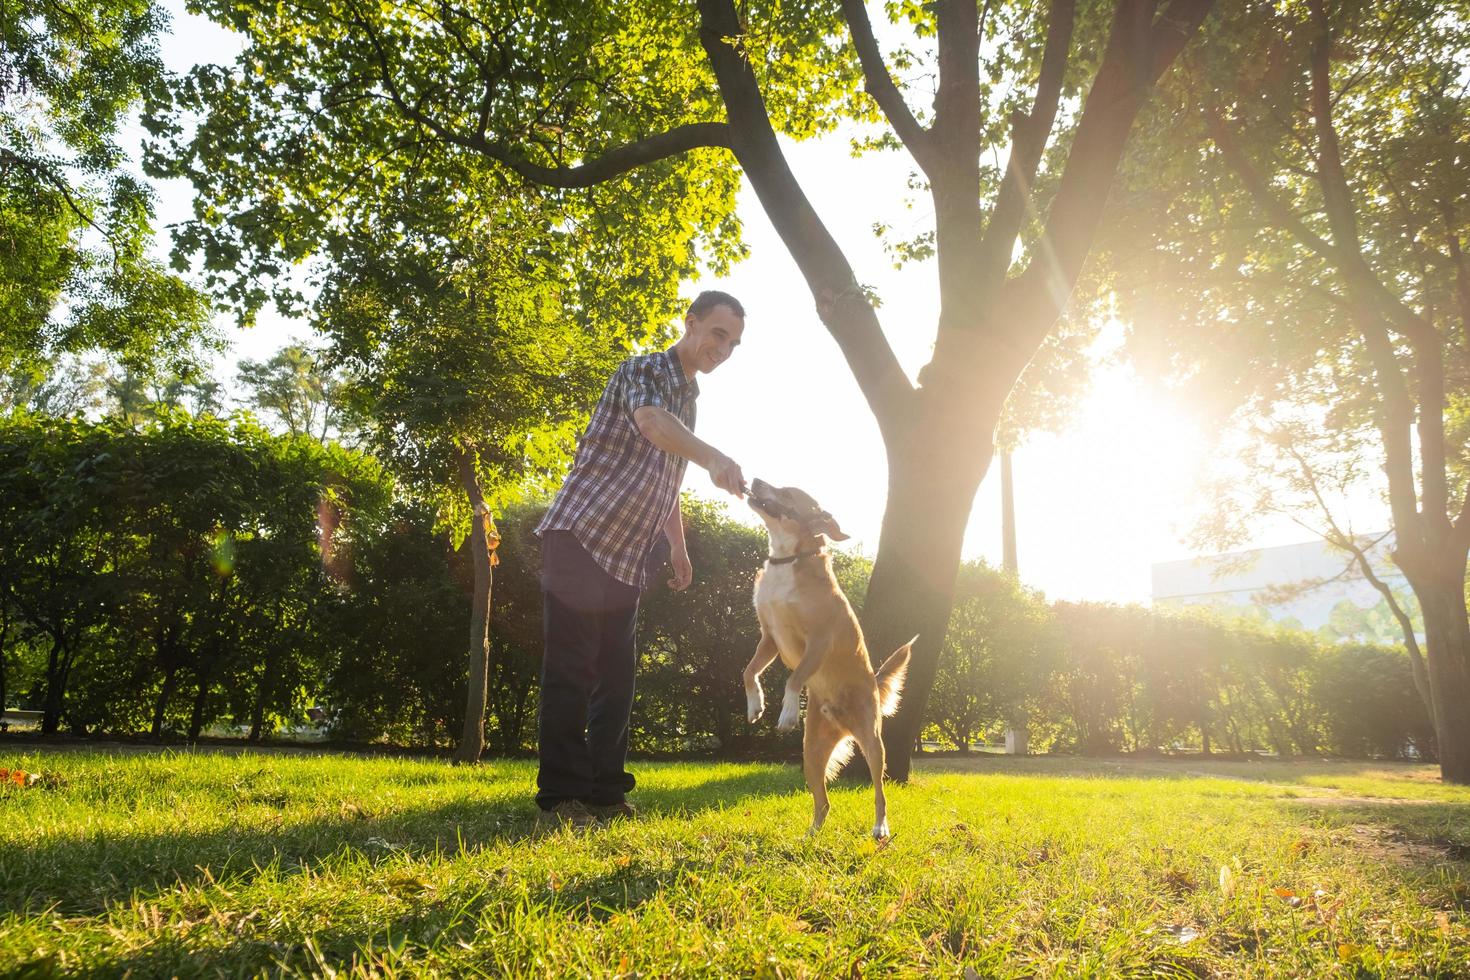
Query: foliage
{"x": 1369, "y": 705}
{"x": 1000, "y": 652}
{"x": 239, "y": 578}
{"x": 1307, "y": 269}
{"x": 296, "y": 390}
{"x": 326, "y": 93}
{"x": 180, "y": 565}
{"x": 396, "y": 631}
{"x": 74, "y": 222}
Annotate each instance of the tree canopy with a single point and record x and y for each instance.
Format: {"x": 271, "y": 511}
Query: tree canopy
{"x": 75, "y": 221}
{"x": 1295, "y": 244}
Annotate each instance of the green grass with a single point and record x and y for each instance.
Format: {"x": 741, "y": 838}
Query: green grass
{"x": 242, "y": 864}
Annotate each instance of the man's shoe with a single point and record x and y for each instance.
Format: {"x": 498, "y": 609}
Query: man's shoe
{"x": 613, "y": 811}
{"x": 568, "y": 813}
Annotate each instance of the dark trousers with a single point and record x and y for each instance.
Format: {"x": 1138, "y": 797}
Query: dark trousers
{"x": 586, "y": 677}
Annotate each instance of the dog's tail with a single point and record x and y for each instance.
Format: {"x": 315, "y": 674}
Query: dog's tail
{"x": 891, "y": 676}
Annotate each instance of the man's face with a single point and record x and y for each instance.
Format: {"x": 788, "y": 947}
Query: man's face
{"x": 714, "y": 336}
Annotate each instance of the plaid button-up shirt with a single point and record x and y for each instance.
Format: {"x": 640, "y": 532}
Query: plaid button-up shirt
{"x": 622, "y": 487}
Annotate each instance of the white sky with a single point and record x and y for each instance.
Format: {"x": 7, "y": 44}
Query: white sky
{"x": 1095, "y": 506}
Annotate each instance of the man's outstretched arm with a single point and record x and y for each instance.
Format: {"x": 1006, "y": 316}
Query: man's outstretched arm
{"x": 664, "y": 430}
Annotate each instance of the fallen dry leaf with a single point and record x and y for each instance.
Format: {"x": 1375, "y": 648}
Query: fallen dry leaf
{"x": 1178, "y": 881}
{"x": 1227, "y": 881}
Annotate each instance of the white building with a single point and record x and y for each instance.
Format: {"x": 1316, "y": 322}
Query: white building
{"x": 1310, "y": 584}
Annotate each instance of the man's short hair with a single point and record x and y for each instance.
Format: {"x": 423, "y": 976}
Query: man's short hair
{"x": 711, "y": 298}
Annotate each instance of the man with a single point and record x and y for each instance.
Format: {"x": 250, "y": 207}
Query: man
{"x": 620, "y": 498}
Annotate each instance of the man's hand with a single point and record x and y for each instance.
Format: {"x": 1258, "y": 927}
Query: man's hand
{"x": 683, "y": 570}
{"x": 725, "y": 473}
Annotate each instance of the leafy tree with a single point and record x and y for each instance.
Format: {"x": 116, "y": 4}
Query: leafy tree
{"x": 474, "y": 397}
{"x": 57, "y": 568}
{"x": 636, "y": 101}
{"x": 1311, "y": 263}
{"x": 293, "y": 388}
{"x": 67, "y": 385}
{"x": 138, "y": 396}
{"x": 476, "y": 316}
{"x": 74, "y": 223}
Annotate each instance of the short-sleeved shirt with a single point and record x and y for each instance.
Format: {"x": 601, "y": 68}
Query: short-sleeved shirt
{"x": 622, "y": 487}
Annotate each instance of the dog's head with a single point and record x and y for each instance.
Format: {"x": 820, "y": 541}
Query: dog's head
{"x": 788, "y": 510}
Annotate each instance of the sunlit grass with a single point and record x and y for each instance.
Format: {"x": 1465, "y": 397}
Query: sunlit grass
{"x": 196, "y": 863}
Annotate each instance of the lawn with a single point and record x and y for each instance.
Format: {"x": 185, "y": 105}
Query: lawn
{"x": 210, "y": 863}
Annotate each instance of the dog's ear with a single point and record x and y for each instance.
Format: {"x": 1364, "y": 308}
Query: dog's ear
{"x": 827, "y": 524}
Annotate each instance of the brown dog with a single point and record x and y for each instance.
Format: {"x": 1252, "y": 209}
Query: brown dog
{"x": 806, "y": 619}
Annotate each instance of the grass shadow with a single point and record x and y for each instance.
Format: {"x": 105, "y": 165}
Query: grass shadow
{"x": 1423, "y": 834}
{"x": 83, "y": 875}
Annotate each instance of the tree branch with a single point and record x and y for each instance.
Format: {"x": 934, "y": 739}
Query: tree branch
{"x": 1368, "y": 290}
{"x": 1028, "y": 141}
{"x": 880, "y": 85}
{"x": 1462, "y": 269}
{"x": 1462, "y": 522}
{"x": 1433, "y": 477}
{"x": 610, "y": 164}
{"x": 1139, "y": 51}
{"x": 72, "y": 204}
{"x": 841, "y": 303}
{"x": 954, "y": 174}
{"x": 1348, "y": 543}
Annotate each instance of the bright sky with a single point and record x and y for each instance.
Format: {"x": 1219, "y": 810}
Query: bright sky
{"x": 1095, "y": 506}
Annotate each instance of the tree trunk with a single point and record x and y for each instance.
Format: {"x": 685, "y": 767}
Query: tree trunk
{"x": 196, "y": 714}
{"x": 472, "y": 739}
{"x": 1008, "y": 560}
{"x": 55, "y": 689}
{"x": 161, "y": 704}
{"x": 931, "y": 487}
{"x": 4, "y": 657}
{"x": 267, "y": 675}
{"x": 1447, "y": 649}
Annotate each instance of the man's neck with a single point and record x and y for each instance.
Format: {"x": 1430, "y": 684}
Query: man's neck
{"x": 685, "y": 353}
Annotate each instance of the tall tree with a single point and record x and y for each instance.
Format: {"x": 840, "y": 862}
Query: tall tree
{"x": 571, "y": 95}
{"x": 1317, "y": 251}
{"x": 293, "y": 388}
{"x": 475, "y": 316}
{"x": 474, "y": 396}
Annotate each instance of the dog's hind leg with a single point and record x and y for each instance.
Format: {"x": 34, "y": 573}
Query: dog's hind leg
{"x": 868, "y": 730}
{"x": 821, "y": 738}
{"x": 755, "y": 698}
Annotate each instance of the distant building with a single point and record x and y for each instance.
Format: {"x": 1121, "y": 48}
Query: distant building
{"x": 1309, "y": 585}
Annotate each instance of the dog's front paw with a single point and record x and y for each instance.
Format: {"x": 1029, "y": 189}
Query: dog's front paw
{"x": 755, "y": 705}
{"x": 790, "y": 715}
{"x": 880, "y": 830}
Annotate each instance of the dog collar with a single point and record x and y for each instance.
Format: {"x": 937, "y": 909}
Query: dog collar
{"x": 788, "y": 559}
